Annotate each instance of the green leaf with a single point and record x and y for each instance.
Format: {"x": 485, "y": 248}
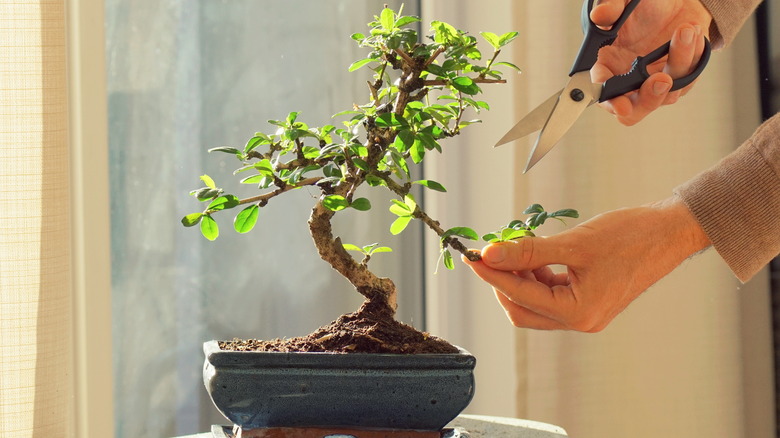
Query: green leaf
{"x": 357, "y": 64}
{"x": 223, "y": 202}
{"x": 465, "y": 85}
{"x": 265, "y": 167}
{"x": 335, "y": 202}
{"x": 381, "y": 249}
{"x": 448, "y": 262}
{"x": 246, "y": 220}
{"x": 433, "y": 185}
{"x": 357, "y": 36}
{"x": 291, "y": 117}
{"x": 410, "y": 202}
{"x": 398, "y": 208}
{"x": 533, "y": 208}
{"x": 205, "y": 193}
{"x": 567, "y": 212}
{"x": 209, "y": 228}
{"x": 473, "y": 53}
{"x": 404, "y": 140}
{"x": 226, "y": 149}
{"x": 360, "y": 163}
{"x": 537, "y": 219}
{"x": 465, "y": 232}
{"x": 444, "y": 33}
{"x": 191, "y": 219}
{"x": 256, "y": 141}
{"x": 208, "y": 181}
{"x": 400, "y": 224}
{"x": 489, "y": 237}
{"x": 390, "y": 120}
{"x": 491, "y": 38}
{"x": 361, "y": 204}
{"x": 387, "y": 19}
{"x": 506, "y": 38}
{"x": 417, "y": 152}
{"x": 310, "y": 152}
{"x": 510, "y": 234}
{"x": 351, "y": 247}
{"x": 403, "y": 21}
{"x": 254, "y": 179}
{"x": 507, "y": 64}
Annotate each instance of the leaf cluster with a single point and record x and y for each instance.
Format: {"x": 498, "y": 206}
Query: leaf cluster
{"x": 420, "y": 93}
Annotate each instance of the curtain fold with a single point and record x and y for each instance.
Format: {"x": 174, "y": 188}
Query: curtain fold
{"x": 36, "y": 388}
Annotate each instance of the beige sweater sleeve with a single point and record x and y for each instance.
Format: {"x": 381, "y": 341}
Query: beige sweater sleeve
{"x": 728, "y": 17}
{"x": 737, "y": 202}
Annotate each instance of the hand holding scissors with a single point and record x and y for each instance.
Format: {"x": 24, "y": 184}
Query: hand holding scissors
{"x": 556, "y": 115}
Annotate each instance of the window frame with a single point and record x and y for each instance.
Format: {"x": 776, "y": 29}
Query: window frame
{"x": 91, "y": 264}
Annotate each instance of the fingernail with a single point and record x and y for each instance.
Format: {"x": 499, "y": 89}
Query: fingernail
{"x": 660, "y": 88}
{"x": 686, "y": 35}
{"x": 494, "y": 254}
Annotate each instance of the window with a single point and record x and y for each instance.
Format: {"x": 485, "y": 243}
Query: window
{"x": 184, "y": 77}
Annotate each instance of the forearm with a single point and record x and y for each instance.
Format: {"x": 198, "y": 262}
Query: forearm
{"x": 737, "y": 202}
{"x": 728, "y": 17}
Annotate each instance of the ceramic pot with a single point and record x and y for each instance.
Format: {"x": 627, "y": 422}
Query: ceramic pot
{"x": 379, "y": 391}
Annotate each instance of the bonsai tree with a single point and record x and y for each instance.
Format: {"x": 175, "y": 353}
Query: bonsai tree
{"x": 420, "y": 94}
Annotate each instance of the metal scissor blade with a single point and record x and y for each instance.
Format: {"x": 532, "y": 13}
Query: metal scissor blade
{"x": 578, "y": 94}
{"x": 532, "y": 122}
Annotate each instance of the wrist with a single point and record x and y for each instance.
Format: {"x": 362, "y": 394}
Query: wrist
{"x": 679, "y": 221}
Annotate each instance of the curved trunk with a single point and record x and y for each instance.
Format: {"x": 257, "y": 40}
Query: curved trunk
{"x": 377, "y": 290}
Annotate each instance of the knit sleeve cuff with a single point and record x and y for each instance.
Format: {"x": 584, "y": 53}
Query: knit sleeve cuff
{"x": 737, "y": 203}
{"x": 728, "y": 17}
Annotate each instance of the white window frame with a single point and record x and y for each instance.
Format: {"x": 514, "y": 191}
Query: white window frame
{"x": 94, "y": 404}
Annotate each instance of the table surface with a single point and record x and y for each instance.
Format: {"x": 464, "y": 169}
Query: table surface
{"x": 484, "y": 426}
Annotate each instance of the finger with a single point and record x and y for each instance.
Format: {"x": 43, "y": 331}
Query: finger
{"x": 556, "y": 303}
{"x": 679, "y": 65}
{"x": 606, "y": 12}
{"x": 525, "y": 254}
{"x": 631, "y": 108}
{"x": 549, "y": 277}
{"x": 521, "y": 317}
{"x": 682, "y": 51}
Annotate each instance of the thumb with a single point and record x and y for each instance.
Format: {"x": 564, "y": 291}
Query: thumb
{"x": 606, "y": 12}
{"x": 525, "y": 254}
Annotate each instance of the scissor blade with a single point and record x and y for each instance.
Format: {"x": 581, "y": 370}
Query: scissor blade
{"x": 532, "y": 121}
{"x": 567, "y": 110}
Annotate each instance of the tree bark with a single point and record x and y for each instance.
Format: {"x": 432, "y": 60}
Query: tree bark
{"x": 377, "y": 290}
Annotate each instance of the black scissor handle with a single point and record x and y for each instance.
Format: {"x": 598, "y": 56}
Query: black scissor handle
{"x": 633, "y": 80}
{"x": 595, "y": 37}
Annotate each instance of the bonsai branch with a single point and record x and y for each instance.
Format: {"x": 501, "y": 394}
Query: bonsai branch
{"x": 453, "y": 242}
{"x": 450, "y": 241}
{"x": 263, "y": 199}
{"x": 477, "y": 80}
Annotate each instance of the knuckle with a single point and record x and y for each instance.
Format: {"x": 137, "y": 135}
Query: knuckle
{"x": 524, "y": 254}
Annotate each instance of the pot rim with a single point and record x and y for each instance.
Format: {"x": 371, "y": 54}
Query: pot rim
{"x": 217, "y": 356}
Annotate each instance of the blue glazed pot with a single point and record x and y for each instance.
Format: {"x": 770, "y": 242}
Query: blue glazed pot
{"x": 378, "y": 391}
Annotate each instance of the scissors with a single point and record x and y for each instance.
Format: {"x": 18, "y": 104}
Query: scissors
{"x": 557, "y": 114}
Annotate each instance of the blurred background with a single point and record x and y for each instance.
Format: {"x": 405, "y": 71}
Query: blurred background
{"x": 110, "y": 106}
{"x": 691, "y": 357}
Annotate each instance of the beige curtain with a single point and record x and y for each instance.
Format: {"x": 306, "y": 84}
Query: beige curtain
{"x": 692, "y": 356}
{"x": 36, "y": 394}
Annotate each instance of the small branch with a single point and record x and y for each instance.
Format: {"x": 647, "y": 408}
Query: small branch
{"x": 490, "y": 63}
{"x": 405, "y": 57}
{"x": 450, "y": 241}
{"x": 263, "y": 199}
{"x": 477, "y": 80}
{"x": 430, "y": 222}
{"x": 433, "y": 57}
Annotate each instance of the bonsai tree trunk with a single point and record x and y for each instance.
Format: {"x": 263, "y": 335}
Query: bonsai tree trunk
{"x": 380, "y": 292}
